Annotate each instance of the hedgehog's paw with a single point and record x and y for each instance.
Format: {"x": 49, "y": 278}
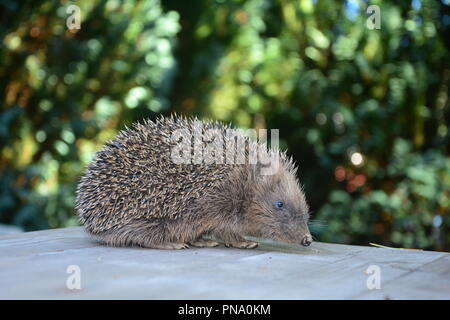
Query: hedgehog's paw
{"x": 244, "y": 244}
{"x": 204, "y": 243}
{"x": 170, "y": 246}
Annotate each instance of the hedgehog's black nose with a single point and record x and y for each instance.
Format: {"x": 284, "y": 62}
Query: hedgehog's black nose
{"x": 307, "y": 240}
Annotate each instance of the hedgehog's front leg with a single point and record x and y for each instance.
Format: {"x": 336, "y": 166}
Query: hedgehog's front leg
{"x": 168, "y": 246}
{"x": 201, "y": 243}
{"x": 232, "y": 239}
{"x": 242, "y": 244}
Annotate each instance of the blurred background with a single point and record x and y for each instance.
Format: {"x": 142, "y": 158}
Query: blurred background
{"x": 365, "y": 112}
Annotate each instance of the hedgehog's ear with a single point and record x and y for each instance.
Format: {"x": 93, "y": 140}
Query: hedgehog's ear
{"x": 270, "y": 165}
{"x": 276, "y": 178}
{"x": 255, "y": 171}
{"x": 260, "y": 173}
{"x": 261, "y": 170}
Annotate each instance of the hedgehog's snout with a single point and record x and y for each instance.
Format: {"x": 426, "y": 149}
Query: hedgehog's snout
{"x": 307, "y": 240}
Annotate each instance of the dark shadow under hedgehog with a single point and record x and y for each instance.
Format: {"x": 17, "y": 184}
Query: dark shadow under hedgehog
{"x": 134, "y": 193}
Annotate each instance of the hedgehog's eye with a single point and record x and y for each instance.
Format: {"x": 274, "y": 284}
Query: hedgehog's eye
{"x": 279, "y": 204}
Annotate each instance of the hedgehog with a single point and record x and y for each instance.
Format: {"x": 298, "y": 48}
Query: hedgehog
{"x": 149, "y": 187}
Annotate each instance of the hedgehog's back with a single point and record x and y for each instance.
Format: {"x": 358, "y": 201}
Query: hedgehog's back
{"x": 134, "y": 177}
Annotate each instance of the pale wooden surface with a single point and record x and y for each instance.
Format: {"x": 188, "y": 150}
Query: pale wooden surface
{"x": 8, "y": 229}
{"x": 33, "y": 265}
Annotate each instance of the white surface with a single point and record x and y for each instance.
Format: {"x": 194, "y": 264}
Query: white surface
{"x": 33, "y": 266}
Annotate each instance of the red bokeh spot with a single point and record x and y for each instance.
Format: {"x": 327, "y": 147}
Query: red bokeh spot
{"x": 339, "y": 173}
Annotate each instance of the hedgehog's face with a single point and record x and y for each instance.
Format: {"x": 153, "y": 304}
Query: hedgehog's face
{"x": 279, "y": 210}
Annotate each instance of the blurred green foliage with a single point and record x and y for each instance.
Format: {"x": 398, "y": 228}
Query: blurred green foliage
{"x": 364, "y": 112}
